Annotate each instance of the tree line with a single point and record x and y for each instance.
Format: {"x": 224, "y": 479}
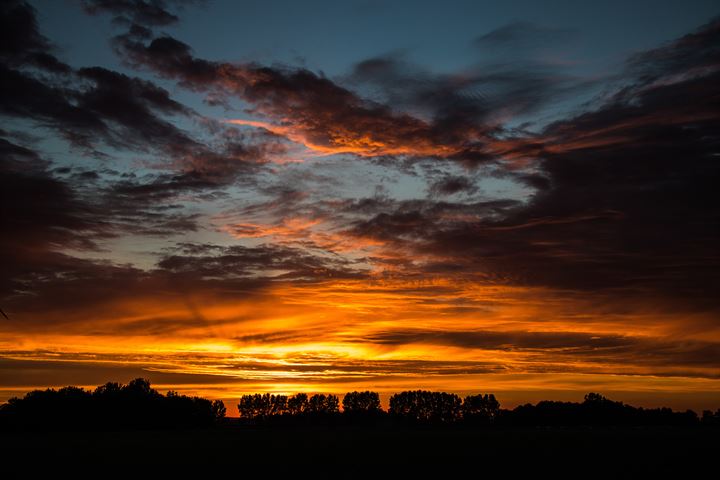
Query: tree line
{"x": 138, "y": 405}
{"x": 421, "y": 407}
{"x": 113, "y": 405}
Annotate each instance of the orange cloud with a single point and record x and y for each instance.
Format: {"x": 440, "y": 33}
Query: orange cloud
{"x": 347, "y": 139}
{"x": 290, "y": 228}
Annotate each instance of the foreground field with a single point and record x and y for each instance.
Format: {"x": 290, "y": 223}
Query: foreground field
{"x": 357, "y": 452}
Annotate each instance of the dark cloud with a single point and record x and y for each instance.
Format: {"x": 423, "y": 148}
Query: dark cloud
{"x": 452, "y": 184}
{"x": 630, "y": 200}
{"x": 20, "y": 40}
{"x": 54, "y": 211}
{"x": 417, "y": 219}
{"x": 103, "y": 107}
{"x": 89, "y": 105}
{"x": 561, "y": 347}
{"x": 624, "y": 195}
{"x": 143, "y": 12}
{"x": 160, "y": 188}
{"x": 126, "y": 107}
{"x": 237, "y": 261}
{"x": 689, "y": 56}
{"x": 477, "y": 103}
{"x": 407, "y": 111}
{"x": 170, "y": 58}
{"x": 94, "y": 107}
{"x": 48, "y": 372}
{"x": 27, "y": 97}
{"x": 52, "y": 368}
{"x": 46, "y": 215}
{"x": 524, "y": 35}
{"x": 514, "y": 340}
{"x": 37, "y": 207}
{"x": 52, "y": 290}
{"x": 304, "y": 106}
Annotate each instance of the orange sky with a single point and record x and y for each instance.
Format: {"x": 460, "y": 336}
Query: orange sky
{"x": 384, "y": 334}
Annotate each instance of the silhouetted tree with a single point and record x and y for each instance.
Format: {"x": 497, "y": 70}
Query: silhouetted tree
{"x": 361, "y": 403}
{"x": 362, "y": 408}
{"x": 323, "y": 404}
{"x": 423, "y": 407}
{"x": 112, "y": 405}
{"x": 596, "y": 410}
{"x": 297, "y": 404}
{"x": 480, "y": 409}
{"x": 280, "y": 409}
{"x": 138, "y": 405}
{"x": 262, "y": 406}
{"x": 109, "y": 390}
{"x": 218, "y": 409}
{"x": 711, "y": 419}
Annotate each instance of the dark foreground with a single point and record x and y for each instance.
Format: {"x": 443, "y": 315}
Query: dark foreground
{"x": 358, "y": 452}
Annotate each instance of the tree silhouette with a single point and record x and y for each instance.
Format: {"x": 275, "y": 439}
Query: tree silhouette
{"x": 135, "y": 405}
{"x": 138, "y": 405}
{"x": 480, "y": 409}
{"x": 283, "y": 409}
{"x": 297, "y": 404}
{"x": 596, "y": 410}
{"x": 711, "y": 419}
{"x": 323, "y": 404}
{"x": 262, "y": 406}
{"x": 361, "y": 402}
{"x": 218, "y": 409}
{"x": 361, "y": 406}
{"x": 109, "y": 390}
{"x": 424, "y": 407}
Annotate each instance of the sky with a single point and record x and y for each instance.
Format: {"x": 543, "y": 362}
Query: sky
{"x": 223, "y": 197}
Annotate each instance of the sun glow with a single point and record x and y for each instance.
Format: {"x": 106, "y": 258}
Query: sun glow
{"x": 385, "y": 334}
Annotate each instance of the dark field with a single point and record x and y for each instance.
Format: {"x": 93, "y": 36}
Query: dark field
{"x": 357, "y": 452}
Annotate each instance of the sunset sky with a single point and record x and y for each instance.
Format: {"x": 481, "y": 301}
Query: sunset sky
{"x": 227, "y": 197}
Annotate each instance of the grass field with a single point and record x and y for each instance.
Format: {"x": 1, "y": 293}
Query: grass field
{"x": 358, "y": 452}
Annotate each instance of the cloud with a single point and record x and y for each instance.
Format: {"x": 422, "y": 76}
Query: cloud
{"x": 143, "y": 12}
{"x": 523, "y": 35}
{"x": 512, "y": 340}
{"x": 561, "y": 347}
{"x": 623, "y": 197}
{"x": 63, "y": 217}
{"x": 636, "y": 175}
{"x": 693, "y": 55}
{"x": 479, "y": 101}
{"x": 56, "y": 293}
{"x": 94, "y": 107}
{"x": 397, "y": 109}
{"x": 304, "y": 107}
{"x": 50, "y": 212}
{"x": 265, "y": 261}
{"x": 126, "y": 107}
{"x": 40, "y": 212}
{"x": 21, "y": 41}
{"x": 452, "y": 184}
